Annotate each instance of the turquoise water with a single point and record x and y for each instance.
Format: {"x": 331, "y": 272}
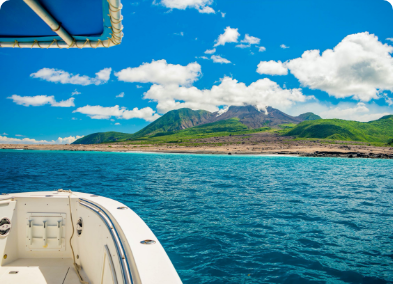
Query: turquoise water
{"x": 238, "y": 219}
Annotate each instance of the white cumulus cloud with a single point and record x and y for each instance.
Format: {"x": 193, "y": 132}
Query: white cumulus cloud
{"x": 121, "y": 95}
{"x": 210, "y": 51}
{"x": 283, "y": 46}
{"x": 230, "y": 35}
{"x": 243, "y": 45}
{"x": 100, "y": 112}
{"x": 251, "y": 40}
{"x": 74, "y": 93}
{"x": 41, "y": 100}
{"x": 60, "y": 140}
{"x": 262, "y": 49}
{"x": 63, "y": 77}
{"x": 387, "y": 99}
{"x": 272, "y": 68}
{"x": 360, "y": 66}
{"x": 262, "y": 93}
{"x": 219, "y": 59}
{"x": 160, "y": 72}
{"x": 201, "y": 5}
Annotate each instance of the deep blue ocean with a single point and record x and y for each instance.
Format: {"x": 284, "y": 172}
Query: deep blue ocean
{"x": 238, "y": 219}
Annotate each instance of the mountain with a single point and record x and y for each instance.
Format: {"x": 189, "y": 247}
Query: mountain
{"x": 309, "y": 116}
{"x": 102, "y": 137}
{"x": 254, "y": 118}
{"x": 247, "y": 117}
{"x": 175, "y": 120}
{"x": 380, "y": 130}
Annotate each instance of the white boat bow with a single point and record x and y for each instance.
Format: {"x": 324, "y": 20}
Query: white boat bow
{"x": 71, "y": 237}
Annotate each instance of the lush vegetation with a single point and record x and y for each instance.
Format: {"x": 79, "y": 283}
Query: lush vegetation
{"x": 220, "y": 128}
{"x": 173, "y": 121}
{"x": 309, "y": 116}
{"x": 380, "y": 130}
{"x": 103, "y": 137}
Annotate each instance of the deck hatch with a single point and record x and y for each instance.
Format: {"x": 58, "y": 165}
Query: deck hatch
{"x": 45, "y": 231}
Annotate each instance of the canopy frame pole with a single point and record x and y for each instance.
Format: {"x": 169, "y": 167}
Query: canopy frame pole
{"x": 50, "y": 21}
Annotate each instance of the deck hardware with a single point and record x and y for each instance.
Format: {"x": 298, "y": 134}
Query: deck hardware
{"x": 59, "y": 232}
{"x": 13, "y": 272}
{"x": 31, "y": 231}
{"x": 77, "y": 256}
{"x": 79, "y": 226}
{"x": 44, "y": 234}
{"x": 148, "y": 242}
{"x": 48, "y": 195}
{"x": 122, "y": 207}
{"x": 93, "y": 195}
{"x": 5, "y": 256}
{"x": 5, "y": 226}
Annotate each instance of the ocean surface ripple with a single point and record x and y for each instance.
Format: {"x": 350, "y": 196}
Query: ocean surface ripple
{"x": 238, "y": 219}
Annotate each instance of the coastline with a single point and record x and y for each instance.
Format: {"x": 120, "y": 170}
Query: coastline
{"x": 330, "y": 150}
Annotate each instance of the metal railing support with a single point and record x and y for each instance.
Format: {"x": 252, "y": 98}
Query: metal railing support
{"x": 49, "y": 20}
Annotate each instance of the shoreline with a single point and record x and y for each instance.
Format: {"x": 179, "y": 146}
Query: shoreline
{"x": 328, "y": 151}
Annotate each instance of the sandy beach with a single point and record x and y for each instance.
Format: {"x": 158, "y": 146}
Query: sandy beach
{"x": 257, "y": 144}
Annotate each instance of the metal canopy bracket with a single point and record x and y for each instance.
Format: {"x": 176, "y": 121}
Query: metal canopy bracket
{"x": 49, "y": 20}
{"x": 68, "y": 41}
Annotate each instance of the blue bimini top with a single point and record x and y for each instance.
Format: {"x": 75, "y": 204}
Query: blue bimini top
{"x": 60, "y": 23}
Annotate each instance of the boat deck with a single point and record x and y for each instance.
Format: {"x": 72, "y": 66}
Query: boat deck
{"x": 39, "y": 271}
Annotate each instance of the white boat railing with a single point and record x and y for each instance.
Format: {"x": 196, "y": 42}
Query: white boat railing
{"x": 127, "y": 277}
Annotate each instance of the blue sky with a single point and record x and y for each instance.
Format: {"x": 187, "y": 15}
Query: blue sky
{"x": 162, "y": 65}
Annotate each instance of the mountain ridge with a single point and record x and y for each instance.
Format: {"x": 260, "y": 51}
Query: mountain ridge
{"x": 180, "y": 119}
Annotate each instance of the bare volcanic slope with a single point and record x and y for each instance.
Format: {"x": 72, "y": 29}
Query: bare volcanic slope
{"x": 254, "y": 118}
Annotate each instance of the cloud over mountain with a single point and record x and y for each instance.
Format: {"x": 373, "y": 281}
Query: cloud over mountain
{"x": 261, "y": 93}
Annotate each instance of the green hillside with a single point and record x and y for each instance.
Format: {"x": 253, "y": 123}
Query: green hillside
{"x": 102, "y": 137}
{"x": 216, "y": 129}
{"x": 380, "y": 130}
{"x": 309, "y": 116}
{"x": 174, "y": 120}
